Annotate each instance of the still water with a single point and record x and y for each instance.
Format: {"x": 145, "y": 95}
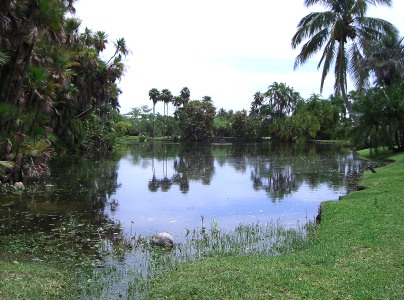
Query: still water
{"x": 173, "y": 187}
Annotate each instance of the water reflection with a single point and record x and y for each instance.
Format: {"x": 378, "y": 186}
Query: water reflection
{"x": 277, "y": 169}
{"x": 176, "y": 184}
{"x": 74, "y": 196}
{"x": 153, "y": 187}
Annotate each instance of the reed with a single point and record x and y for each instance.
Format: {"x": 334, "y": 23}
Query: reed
{"x": 133, "y": 263}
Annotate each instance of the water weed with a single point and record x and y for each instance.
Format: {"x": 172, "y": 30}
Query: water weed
{"x": 141, "y": 263}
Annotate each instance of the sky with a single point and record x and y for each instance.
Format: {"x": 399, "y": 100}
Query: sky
{"x": 225, "y": 49}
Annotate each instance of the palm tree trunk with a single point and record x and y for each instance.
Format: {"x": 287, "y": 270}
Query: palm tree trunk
{"x": 154, "y": 106}
{"x": 348, "y": 105}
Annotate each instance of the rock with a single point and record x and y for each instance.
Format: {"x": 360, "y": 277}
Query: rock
{"x": 19, "y": 185}
{"x": 163, "y": 239}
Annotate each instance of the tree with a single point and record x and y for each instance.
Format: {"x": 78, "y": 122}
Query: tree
{"x": 281, "y": 99}
{"x": 167, "y": 97}
{"x": 154, "y": 95}
{"x": 207, "y": 99}
{"x": 100, "y": 41}
{"x": 340, "y": 30}
{"x": 384, "y": 59}
{"x": 185, "y": 94}
{"x": 244, "y": 126}
{"x": 196, "y": 120}
{"x": 120, "y": 48}
{"x": 257, "y": 102}
{"x": 380, "y": 120}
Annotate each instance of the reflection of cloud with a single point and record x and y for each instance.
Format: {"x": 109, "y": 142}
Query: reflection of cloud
{"x": 230, "y": 197}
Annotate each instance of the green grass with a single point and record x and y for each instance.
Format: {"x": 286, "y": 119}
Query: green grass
{"x": 357, "y": 252}
{"x": 32, "y": 280}
{"x": 134, "y": 139}
{"x": 36, "y": 266}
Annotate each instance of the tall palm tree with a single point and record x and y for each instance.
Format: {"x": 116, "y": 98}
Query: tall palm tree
{"x": 257, "y": 102}
{"x": 120, "y": 48}
{"x": 154, "y": 95}
{"x": 166, "y": 96}
{"x": 340, "y": 31}
{"x": 100, "y": 41}
{"x": 185, "y": 94}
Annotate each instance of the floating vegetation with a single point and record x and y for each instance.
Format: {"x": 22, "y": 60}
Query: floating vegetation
{"x": 132, "y": 264}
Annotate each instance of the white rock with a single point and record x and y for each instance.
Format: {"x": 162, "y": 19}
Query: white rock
{"x": 163, "y": 239}
{"x": 19, "y": 185}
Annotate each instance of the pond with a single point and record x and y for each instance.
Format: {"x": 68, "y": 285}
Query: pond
{"x": 176, "y": 187}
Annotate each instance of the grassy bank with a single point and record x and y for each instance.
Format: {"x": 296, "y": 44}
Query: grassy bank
{"x": 357, "y": 252}
{"x": 28, "y": 272}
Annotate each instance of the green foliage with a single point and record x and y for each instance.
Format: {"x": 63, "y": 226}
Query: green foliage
{"x": 55, "y": 76}
{"x": 315, "y": 118}
{"x": 221, "y": 126}
{"x": 196, "y": 120}
{"x": 244, "y": 126}
{"x": 97, "y": 136}
{"x": 297, "y": 128}
{"x": 280, "y": 99}
{"x": 123, "y": 128}
{"x": 380, "y": 118}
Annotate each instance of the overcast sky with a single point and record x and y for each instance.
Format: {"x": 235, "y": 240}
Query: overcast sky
{"x": 225, "y": 49}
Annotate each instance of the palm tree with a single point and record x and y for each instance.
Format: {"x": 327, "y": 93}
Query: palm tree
{"x": 121, "y": 48}
{"x": 166, "y": 96}
{"x": 383, "y": 58}
{"x": 257, "y": 103}
{"x": 100, "y": 41}
{"x": 207, "y": 99}
{"x": 154, "y": 95}
{"x": 281, "y": 99}
{"x": 340, "y": 31}
{"x": 185, "y": 94}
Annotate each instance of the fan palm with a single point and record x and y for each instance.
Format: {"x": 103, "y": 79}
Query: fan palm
{"x": 340, "y": 31}
{"x": 185, "y": 94}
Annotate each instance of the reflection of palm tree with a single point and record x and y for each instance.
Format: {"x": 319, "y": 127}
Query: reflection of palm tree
{"x": 153, "y": 184}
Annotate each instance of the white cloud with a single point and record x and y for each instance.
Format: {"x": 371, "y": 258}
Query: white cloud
{"x": 191, "y": 43}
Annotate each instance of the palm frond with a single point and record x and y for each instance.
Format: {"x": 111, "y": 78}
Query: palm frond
{"x": 358, "y": 68}
{"x": 311, "y": 47}
{"x": 7, "y": 164}
{"x": 4, "y": 57}
{"x": 310, "y": 25}
{"x": 374, "y": 28}
{"x": 328, "y": 58}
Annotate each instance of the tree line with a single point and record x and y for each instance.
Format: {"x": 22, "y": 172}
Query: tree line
{"x": 56, "y": 90}
{"x": 368, "y": 50}
{"x": 58, "y": 93}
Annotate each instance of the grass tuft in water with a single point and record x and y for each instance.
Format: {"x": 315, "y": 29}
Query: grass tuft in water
{"x": 134, "y": 263}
